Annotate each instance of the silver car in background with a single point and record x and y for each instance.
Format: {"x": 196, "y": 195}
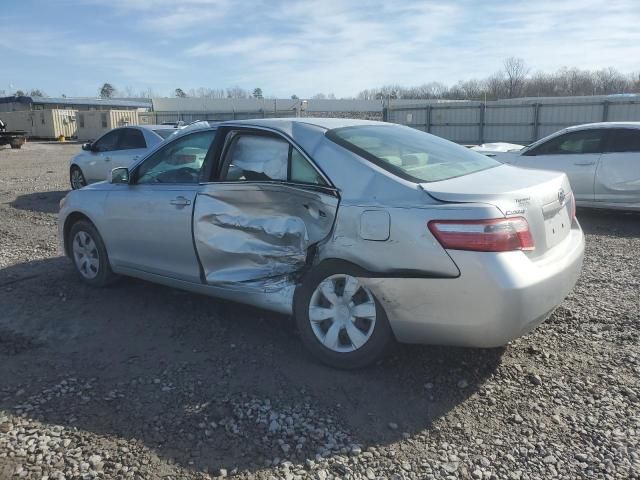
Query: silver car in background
{"x": 365, "y": 231}
{"x": 119, "y": 147}
{"x": 602, "y": 161}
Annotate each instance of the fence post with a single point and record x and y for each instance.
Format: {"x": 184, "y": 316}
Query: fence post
{"x": 385, "y": 114}
{"x": 605, "y": 111}
{"x": 536, "y": 121}
{"x": 427, "y": 125}
{"x": 481, "y": 129}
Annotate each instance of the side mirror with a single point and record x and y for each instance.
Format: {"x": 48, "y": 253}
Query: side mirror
{"x": 87, "y": 146}
{"x": 120, "y": 175}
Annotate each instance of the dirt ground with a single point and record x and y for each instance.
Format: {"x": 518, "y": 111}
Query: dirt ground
{"x": 144, "y": 381}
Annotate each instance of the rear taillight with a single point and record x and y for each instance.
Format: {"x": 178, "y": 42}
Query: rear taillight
{"x": 495, "y": 235}
{"x": 573, "y": 207}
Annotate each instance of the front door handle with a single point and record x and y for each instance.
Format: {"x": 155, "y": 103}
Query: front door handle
{"x": 180, "y": 201}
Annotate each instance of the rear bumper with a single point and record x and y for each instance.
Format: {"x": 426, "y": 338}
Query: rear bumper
{"x": 498, "y": 296}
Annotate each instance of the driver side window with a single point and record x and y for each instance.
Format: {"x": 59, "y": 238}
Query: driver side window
{"x": 179, "y": 162}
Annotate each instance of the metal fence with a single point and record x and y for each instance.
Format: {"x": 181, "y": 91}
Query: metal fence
{"x": 515, "y": 121}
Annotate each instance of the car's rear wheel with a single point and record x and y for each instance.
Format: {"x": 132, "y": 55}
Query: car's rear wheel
{"x": 339, "y": 318}
{"x": 77, "y": 178}
{"x": 89, "y": 255}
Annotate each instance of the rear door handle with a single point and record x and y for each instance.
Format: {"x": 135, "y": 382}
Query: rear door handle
{"x": 180, "y": 202}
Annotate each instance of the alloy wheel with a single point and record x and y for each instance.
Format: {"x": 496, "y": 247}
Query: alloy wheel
{"x": 77, "y": 179}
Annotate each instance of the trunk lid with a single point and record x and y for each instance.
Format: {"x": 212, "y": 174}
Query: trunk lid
{"x": 540, "y": 196}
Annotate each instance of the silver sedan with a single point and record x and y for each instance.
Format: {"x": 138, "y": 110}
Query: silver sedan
{"x": 366, "y": 232}
{"x": 119, "y": 147}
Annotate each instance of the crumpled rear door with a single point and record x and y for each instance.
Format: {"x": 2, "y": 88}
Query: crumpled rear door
{"x": 258, "y": 232}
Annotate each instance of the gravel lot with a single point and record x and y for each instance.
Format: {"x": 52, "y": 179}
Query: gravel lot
{"x": 142, "y": 381}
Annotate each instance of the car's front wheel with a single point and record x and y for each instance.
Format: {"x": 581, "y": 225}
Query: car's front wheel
{"x": 89, "y": 254}
{"x": 339, "y": 319}
{"x": 77, "y": 178}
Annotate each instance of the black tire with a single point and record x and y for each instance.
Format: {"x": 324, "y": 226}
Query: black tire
{"x": 104, "y": 276}
{"x": 375, "y": 347}
{"x": 73, "y": 171}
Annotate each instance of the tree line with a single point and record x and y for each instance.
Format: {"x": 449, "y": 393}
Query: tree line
{"x": 515, "y": 80}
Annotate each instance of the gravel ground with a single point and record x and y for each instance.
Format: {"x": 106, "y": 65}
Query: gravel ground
{"x": 142, "y": 381}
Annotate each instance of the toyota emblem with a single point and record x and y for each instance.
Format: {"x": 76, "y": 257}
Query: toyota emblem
{"x": 561, "y": 196}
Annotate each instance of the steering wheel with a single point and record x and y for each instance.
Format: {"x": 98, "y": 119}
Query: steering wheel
{"x": 179, "y": 175}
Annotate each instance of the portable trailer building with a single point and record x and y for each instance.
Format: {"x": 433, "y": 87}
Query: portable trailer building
{"x": 94, "y": 123}
{"x": 47, "y": 117}
{"x": 47, "y": 124}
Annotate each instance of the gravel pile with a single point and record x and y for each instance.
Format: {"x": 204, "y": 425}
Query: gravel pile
{"x": 140, "y": 381}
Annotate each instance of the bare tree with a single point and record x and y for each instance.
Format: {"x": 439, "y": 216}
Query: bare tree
{"x": 495, "y": 86}
{"x": 319, "y": 96}
{"x": 36, "y": 92}
{"x": 609, "y": 80}
{"x": 126, "y": 92}
{"x": 516, "y": 72}
{"x": 237, "y": 92}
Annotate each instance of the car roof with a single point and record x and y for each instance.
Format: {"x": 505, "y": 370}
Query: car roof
{"x": 288, "y": 123}
{"x": 155, "y": 127}
{"x": 604, "y": 125}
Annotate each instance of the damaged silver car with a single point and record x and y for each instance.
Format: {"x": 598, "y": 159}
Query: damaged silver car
{"x": 366, "y": 232}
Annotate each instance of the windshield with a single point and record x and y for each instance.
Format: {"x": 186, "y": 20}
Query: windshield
{"x": 411, "y": 154}
{"x": 165, "y": 132}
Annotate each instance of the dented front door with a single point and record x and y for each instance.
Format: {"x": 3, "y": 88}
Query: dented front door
{"x": 259, "y": 232}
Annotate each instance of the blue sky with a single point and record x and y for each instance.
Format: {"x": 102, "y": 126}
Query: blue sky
{"x": 301, "y": 47}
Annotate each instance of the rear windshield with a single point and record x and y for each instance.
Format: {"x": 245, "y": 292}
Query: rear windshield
{"x": 165, "y": 132}
{"x": 409, "y": 153}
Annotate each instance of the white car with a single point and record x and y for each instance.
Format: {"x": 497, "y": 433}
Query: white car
{"x": 602, "y": 161}
{"x": 120, "y": 147}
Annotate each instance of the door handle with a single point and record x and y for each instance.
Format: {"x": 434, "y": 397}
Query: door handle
{"x": 107, "y": 159}
{"x": 180, "y": 202}
{"x": 584, "y": 163}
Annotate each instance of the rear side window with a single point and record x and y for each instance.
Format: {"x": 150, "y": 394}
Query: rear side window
{"x": 624, "y": 140}
{"x": 585, "y": 141}
{"x": 131, "y": 139}
{"x": 411, "y": 154}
